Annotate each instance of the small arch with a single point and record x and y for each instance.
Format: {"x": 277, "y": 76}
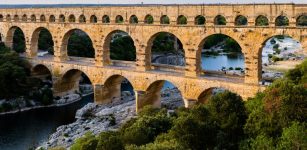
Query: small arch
{"x": 41, "y": 70}
{"x": 8, "y": 18}
{"x": 33, "y": 18}
{"x": 182, "y": 20}
{"x": 42, "y": 18}
{"x": 164, "y": 20}
{"x": 93, "y": 19}
{"x": 133, "y": 19}
{"x": 301, "y": 20}
{"x": 262, "y": 21}
{"x": 16, "y": 18}
{"x": 82, "y": 19}
{"x": 149, "y": 19}
{"x": 281, "y": 21}
{"x": 220, "y": 20}
{"x": 207, "y": 94}
{"x": 24, "y": 18}
{"x": 241, "y": 21}
{"x": 105, "y": 19}
{"x": 61, "y": 18}
{"x": 1, "y": 17}
{"x": 200, "y": 20}
{"x": 71, "y": 18}
{"x": 119, "y": 19}
{"x": 52, "y": 18}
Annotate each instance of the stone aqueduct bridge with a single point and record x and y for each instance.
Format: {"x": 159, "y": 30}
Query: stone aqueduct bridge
{"x": 106, "y": 75}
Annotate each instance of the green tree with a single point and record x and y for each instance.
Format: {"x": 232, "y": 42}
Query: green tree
{"x": 294, "y": 137}
{"x": 109, "y": 141}
{"x": 87, "y": 142}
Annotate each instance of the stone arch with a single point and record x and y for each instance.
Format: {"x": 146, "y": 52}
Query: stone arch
{"x": 42, "y": 18}
{"x": 61, "y": 18}
{"x": 105, "y": 19}
{"x": 113, "y": 88}
{"x": 8, "y": 18}
{"x": 281, "y": 21}
{"x": 200, "y": 20}
{"x": 182, "y": 20}
{"x": 93, "y": 19}
{"x": 153, "y": 94}
{"x": 9, "y": 41}
{"x": 33, "y": 18}
{"x": 262, "y": 20}
{"x": 150, "y": 43}
{"x": 133, "y": 19}
{"x": 262, "y": 55}
{"x": 65, "y": 40}
{"x": 241, "y": 20}
{"x": 16, "y": 18}
{"x": 71, "y": 18}
{"x": 220, "y": 20}
{"x": 82, "y": 19}
{"x": 301, "y": 20}
{"x": 148, "y": 19}
{"x": 35, "y": 39}
{"x": 107, "y": 45}
{"x": 1, "y": 17}
{"x": 164, "y": 19}
{"x": 236, "y": 45}
{"x": 68, "y": 82}
{"x": 41, "y": 69}
{"x": 119, "y": 19}
{"x": 52, "y": 18}
{"x": 24, "y": 18}
{"x": 204, "y": 96}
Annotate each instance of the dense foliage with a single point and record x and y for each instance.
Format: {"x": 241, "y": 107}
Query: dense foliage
{"x": 122, "y": 48}
{"x": 19, "y": 44}
{"x": 273, "y": 119}
{"x": 45, "y": 41}
{"x": 80, "y": 45}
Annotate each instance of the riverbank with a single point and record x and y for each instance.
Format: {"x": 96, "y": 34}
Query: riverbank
{"x": 98, "y": 118}
{"x": 63, "y": 101}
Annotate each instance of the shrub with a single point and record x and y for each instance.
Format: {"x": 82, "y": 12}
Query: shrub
{"x": 109, "y": 141}
{"x": 87, "y": 142}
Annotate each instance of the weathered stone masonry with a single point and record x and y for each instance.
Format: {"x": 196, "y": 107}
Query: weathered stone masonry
{"x": 189, "y": 81}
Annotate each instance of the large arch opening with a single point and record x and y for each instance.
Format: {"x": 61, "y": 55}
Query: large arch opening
{"x": 221, "y": 55}
{"x": 73, "y": 85}
{"x": 301, "y": 20}
{"x": 41, "y": 83}
{"x": 16, "y": 39}
{"x": 117, "y": 88}
{"x": 167, "y": 52}
{"x": 279, "y": 54}
{"x": 77, "y": 43}
{"x": 162, "y": 93}
{"x": 42, "y": 42}
{"x": 121, "y": 48}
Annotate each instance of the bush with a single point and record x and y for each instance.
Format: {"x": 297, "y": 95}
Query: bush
{"x": 87, "y": 142}
{"x": 109, "y": 141}
{"x": 293, "y": 137}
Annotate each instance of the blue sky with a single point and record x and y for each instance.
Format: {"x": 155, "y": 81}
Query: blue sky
{"x": 144, "y": 1}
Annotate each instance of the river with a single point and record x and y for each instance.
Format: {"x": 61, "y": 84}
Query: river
{"x": 24, "y": 130}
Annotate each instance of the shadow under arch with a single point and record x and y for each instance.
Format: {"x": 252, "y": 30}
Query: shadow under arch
{"x": 116, "y": 88}
{"x": 70, "y": 81}
{"x": 161, "y": 93}
{"x": 40, "y": 70}
{"x": 119, "y": 49}
{"x": 165, "y": 52}
{"x": 35, "y": 38}
{"x": 70, "y": 50}
{"x": 15, "y": 39}
{"x": 220, "y": 54}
